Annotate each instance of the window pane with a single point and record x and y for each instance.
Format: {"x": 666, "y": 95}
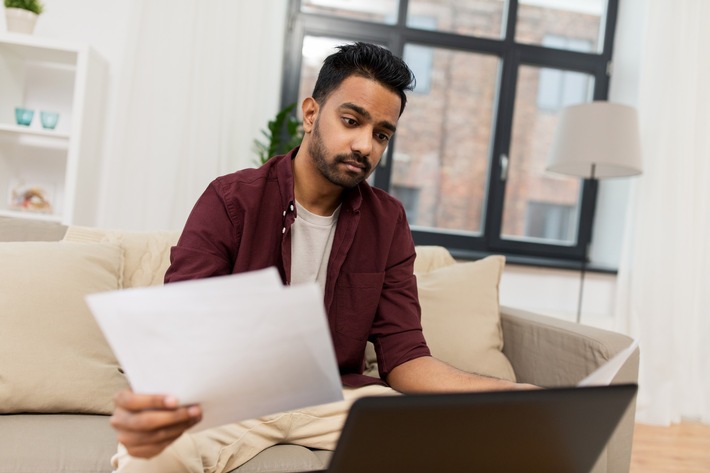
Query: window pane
{"x": 475, "y": 18}
{"x": 378, "y": 11}
{"x": 315, "y": 50}
{"x": 538, "y": 205}
{"x": 442, "y": 151}
{"x": 578, "y": 21}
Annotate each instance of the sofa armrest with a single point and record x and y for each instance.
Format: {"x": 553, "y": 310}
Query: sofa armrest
{"x": 23, "y": 229}
{"x": 550, "y": 352}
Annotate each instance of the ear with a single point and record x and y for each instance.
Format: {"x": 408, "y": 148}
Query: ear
{"x": 310, "y": 109}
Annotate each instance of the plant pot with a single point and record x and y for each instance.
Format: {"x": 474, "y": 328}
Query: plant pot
{"x": 19, "y": 20}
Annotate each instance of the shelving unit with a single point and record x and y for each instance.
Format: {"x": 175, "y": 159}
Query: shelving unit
{"x": 61, "y": 164}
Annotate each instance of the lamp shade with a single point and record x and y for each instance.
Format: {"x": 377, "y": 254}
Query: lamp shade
{"x": 596, "y": 140}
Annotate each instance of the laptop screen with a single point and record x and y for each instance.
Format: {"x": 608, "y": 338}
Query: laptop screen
{"x": 560, "y": 430}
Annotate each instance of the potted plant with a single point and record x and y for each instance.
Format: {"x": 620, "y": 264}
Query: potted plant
{"x": 21, "y": 15}
{"x": 283, "y": 133}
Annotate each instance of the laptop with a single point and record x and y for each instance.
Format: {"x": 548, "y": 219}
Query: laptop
{"x": 559, "y": 430}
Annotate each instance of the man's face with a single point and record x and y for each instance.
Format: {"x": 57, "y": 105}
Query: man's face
{"x": 352, "y": 130}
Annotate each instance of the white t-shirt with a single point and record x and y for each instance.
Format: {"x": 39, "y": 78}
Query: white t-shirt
{"x": 311, "y": 242}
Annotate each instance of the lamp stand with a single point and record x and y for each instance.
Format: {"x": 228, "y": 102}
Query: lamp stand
{"x": 592, "y": 179}
{"x": 581, "y": 284}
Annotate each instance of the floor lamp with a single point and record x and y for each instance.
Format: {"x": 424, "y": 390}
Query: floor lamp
{"x": 596, "y": 140}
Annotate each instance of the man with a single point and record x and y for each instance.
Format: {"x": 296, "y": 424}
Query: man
{"x": 311, "y": 214}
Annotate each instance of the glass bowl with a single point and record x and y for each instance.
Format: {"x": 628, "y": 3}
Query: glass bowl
{"x": 48, "y": 119}
{"x": 24, "y": 116}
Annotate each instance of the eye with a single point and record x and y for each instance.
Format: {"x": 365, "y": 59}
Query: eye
{"x": 382, "y": 137}
{"x": 349, "y": 121}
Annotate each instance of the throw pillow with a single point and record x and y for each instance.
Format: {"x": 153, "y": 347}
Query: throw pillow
{"x": 53, "y": 356}
{"x": 461, "y": 317}
{"x": 146, "y": 255}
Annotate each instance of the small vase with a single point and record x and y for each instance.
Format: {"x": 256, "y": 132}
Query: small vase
{"x": 19, "y": 20}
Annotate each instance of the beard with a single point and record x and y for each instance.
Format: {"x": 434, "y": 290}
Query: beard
{"x": 332, "y": 171}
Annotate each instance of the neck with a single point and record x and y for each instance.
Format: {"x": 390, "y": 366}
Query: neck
{"x": 313, "y": 191}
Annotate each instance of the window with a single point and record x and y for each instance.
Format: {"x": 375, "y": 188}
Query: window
{"x": 409, "y": 196}
{"x": 468, "y": 159}
{"x": 550, "y": 221}
{"x": 559, "y": 88}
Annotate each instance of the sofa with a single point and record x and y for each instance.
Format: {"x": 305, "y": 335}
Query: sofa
{"x": 57, "y": 374}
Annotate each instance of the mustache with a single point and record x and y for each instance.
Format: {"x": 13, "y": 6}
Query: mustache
{"x": 353, "y": 157}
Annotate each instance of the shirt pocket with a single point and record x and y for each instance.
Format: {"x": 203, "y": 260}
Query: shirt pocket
{"x": 357, "y": 296}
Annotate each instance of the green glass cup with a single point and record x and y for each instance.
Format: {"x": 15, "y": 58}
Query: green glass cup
{"x": 49, "y": 119}
{"x": 23, "y": 116}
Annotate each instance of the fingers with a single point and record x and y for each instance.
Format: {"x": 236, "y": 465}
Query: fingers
{"x": 154, "y": 419}
{"x": 135, "y": 402}
{"x": 147, "y": 424}
{"x": 147, "y": 444}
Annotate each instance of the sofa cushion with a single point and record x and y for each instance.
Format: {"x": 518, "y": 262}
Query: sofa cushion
{"x": 431, "y": 257}
{"x": 461, "y": 316}
{"x": 146, "y": 254}
{"x": 56, "y": 443}
{"x": 53, "y": 356}
{"x": 25, "y": 229}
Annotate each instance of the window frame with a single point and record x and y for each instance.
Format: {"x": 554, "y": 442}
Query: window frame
{"x": 512, "y": 55}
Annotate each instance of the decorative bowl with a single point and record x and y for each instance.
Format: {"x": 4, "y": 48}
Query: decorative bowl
{"x": 24, "y": 116}
{"x": 48, "y": 119}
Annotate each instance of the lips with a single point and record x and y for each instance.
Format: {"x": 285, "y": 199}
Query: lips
{"x": 354, "y": 164}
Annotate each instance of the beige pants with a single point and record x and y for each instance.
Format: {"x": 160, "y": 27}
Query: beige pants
{"x": 224, "y": 448}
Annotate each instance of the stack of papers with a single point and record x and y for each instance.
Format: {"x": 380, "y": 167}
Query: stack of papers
{"x": 604, "y": 375}
{"x": 242, "y": 346}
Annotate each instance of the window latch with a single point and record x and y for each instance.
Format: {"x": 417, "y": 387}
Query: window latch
{"x": 503, "y": 167}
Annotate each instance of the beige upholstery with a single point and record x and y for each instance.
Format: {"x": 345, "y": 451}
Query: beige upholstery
{"x": 16, "y": 229}
{"x": 53, "y": 356}
{"x": 461, "y": 315}
{"x": 551, "y": 352}
{"x": 541, "y": 350}
{"x": 146, "y": 254}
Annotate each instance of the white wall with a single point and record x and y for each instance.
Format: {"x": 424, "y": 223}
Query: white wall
{"x": 108, "y": 24}
{"x": 555, "y": 292}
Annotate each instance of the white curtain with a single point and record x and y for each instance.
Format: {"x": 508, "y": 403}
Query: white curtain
{"x": 664, "y": 278}
{"x": 200, "y": 79}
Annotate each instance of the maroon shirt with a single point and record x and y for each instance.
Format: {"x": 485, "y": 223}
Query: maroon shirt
{"x": 242, "y": 222}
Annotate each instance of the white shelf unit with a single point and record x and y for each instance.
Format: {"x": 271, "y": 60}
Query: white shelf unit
{"x": 43, "y": 74}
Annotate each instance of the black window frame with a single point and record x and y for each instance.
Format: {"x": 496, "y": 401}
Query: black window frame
{"x": 512, "y": 55}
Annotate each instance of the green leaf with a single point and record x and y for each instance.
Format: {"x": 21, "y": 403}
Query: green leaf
{"x": 283, "y": 133}
{"x": 35, "y": 6}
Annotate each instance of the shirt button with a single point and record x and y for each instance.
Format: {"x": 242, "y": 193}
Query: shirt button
{"x": 284, "y": 213}
{"x": 283, "y": 230}
{"x": 291, "y": 207}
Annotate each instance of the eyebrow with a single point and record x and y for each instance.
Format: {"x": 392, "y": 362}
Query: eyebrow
{"x": 358, "y": 109}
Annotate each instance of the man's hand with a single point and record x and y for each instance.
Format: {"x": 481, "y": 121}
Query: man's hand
{"x": 147, "y": 424}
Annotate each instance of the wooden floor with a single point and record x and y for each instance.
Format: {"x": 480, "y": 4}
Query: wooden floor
{"x": 681, "y": 448}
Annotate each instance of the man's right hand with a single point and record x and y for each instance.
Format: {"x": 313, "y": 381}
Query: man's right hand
{"x": 147, "y": 423}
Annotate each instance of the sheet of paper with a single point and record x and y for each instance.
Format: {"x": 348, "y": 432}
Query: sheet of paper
{"x": 242, "y": 346}
{"x": 603, "y": 375}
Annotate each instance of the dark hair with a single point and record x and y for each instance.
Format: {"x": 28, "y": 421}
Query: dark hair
{"x": 365, "y": 60}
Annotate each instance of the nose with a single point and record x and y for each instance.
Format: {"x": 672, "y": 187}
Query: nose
{"x": 362, "y": 142}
